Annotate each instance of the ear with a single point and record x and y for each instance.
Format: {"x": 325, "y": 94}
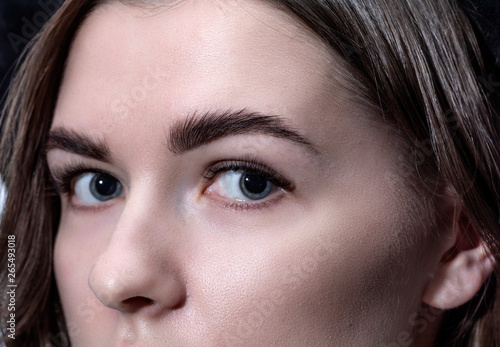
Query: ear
{"x": 463, "y": 268}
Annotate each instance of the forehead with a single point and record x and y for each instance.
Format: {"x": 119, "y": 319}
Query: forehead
{"x": 196, "y": 54}
{"x": 133, "y": 72}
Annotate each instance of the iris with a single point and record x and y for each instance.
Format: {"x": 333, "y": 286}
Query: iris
{"x": 255, "y": 186}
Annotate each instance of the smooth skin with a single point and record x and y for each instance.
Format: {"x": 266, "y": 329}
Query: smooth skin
{"x": 343, "y": 257}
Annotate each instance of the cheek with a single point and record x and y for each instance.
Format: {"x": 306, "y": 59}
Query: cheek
{"x": 75, "y": 252}
{"x": 270, "y": 289}
{"x": 379, "y": 268}
{"x": 366, "y": 239}
{"x": 331, "y": 272}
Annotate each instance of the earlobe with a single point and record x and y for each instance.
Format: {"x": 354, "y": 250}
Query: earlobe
{"x": 463, "y": 269}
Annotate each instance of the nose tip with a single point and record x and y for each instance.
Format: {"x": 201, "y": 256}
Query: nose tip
{"x": 128, "y": 290}
{"x": 140, "y": 265}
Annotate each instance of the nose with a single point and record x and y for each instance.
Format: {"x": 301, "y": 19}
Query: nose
{"x": 138, "y": 268}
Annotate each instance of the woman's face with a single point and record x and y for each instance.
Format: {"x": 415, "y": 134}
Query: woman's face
{"x": 221, "y": 187}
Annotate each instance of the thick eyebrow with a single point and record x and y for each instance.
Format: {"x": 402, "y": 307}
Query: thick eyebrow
{"x": 196, "y": 131}
{"x": 77, "y": 143}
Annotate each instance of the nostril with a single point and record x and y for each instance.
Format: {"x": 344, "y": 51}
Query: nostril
{"x": 119, "y": 290}
{"x": 137, "y": 302}
{"x": 137, "y": 298}
{"x": 180, "y": 304}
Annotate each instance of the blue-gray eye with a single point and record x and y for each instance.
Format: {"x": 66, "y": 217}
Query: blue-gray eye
{"x": 95, "y": 187}
{"x": 242, "y": 185}
{"x": 255, "y": 186}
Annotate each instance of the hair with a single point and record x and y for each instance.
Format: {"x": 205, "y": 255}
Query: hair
{"x": 417, "y": 62}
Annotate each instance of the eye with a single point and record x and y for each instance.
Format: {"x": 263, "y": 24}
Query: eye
{"x": 96, "y": 187}
{"x": 245, "y": 181}
{"x": 242, "y": 186}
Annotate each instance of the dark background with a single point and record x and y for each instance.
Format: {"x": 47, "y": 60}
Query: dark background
{"x": 19, "y": 22}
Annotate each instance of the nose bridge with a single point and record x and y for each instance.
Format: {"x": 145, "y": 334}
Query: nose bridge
{"x": 138, "y": 266}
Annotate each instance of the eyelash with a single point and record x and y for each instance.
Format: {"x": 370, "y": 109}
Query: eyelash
{"x": 250, "y": 166}
{"x": 253, "y": 166}
{"x": 62, "y": 179}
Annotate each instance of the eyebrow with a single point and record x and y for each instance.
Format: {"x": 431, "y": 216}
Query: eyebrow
{"x": 75, "y": 142}
{"x": 188, "y": 134}
{"x": 196, "y": 131}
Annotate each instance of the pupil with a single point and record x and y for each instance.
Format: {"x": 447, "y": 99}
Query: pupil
{"x": 105, "y": 185}
{"x": 255, "y": 184}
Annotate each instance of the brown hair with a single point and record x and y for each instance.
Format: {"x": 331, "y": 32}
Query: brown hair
{"x": 417, "y": 62}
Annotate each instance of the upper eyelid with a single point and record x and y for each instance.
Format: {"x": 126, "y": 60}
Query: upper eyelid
{"x": 70, "y": 161}
{"x": 75, "y": 170}
{"x": 61, "y": 175}
{"x": 248, "y": 164}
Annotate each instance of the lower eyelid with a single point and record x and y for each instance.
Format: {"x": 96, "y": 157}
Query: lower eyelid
{"x": 94, "y": 207}
{"x": 248, "y": 205}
